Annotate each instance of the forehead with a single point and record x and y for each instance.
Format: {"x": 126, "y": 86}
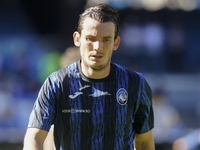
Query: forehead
{"x": 93, "y": 27}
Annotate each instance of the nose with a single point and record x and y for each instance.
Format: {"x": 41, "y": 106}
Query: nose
{"x": 97, "y": 45}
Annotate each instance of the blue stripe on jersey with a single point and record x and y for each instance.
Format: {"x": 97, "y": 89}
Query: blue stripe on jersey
{"x": 144, "y": 110}
{"x": 75, "y": 105}
{"x": 97, "y": 116}
{"x": 43, "y": 119}
{"x": 145, "y": 102}
{"x": 121, "y": 110}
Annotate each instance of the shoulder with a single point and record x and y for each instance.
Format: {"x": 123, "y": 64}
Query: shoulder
{"x": 131, "y": 76}
{"x": 126, "y": 72}
{"x": 60, "y": 77}
{"x": 64, "y": 72}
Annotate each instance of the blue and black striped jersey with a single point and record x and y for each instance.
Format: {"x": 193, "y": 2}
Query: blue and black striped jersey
{"x": 90, "y": 114}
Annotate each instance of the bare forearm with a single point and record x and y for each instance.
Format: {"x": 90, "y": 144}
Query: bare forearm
{"x": 144, "y": 141}
{"x": 32, "y": 145}
{"x": 145, "y": 147}
{"x": 34, "y": 139}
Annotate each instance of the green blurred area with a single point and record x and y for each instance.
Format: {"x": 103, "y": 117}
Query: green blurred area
{"x": 48, "y": 64}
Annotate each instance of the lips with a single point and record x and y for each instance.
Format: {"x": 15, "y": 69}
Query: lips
{"x": 96, "y": 57}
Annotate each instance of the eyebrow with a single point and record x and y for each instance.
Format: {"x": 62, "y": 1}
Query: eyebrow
{"x": 95, "y": 36}
{"x": 107, "y": 37}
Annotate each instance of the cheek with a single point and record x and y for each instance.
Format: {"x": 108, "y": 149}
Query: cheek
{"x": 110, "y": 48}
{"x": 109, "y": 45}
{"x": 86, "y": 46}
{"x": 90, "y": 45}
{"x": 82, "y": 53}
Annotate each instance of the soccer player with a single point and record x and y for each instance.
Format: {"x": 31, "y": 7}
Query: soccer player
{"x": 94, "y": 103}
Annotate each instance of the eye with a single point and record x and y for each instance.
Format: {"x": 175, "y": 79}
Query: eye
{"x": 90, "y": 38}
{"x": 107, "y": 39}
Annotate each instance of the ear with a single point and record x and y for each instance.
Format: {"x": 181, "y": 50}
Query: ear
{"x": 116, "y": 43}
{"x": 77, "y": 37}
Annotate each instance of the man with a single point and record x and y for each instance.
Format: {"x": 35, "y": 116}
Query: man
{"x": 93, "y": 103}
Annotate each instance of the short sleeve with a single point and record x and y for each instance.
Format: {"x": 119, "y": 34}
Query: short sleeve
{"x": 144, "y": 116}
{"x": 43, "y": 112}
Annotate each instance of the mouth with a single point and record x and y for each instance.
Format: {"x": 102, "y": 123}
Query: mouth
{"x": 96, "y": 57}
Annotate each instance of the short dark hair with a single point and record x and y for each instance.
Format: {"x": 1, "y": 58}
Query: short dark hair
{"x": 101, "y": 13}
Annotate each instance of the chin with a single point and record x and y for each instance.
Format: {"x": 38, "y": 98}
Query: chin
{"x": 99, "y": 67}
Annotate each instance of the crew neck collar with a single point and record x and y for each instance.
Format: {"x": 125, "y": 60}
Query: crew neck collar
{"x": 84, "y": 77}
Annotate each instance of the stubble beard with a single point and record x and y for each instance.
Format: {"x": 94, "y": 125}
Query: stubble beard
{"x": 102, "y": 67}
{"x": 98, "y": 68}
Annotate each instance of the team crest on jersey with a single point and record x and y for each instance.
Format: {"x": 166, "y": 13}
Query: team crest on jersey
{"x": 122, "y": 96}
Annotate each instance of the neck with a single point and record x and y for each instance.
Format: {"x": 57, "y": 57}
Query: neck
{"x": 95, "y": 74}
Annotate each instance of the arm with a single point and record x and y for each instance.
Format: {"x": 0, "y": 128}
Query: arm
{"x": 42, "y": 115}
{"x": 144, "y": 141}
{"x": 49, "y": 141}
{"x": 34, "y": 139}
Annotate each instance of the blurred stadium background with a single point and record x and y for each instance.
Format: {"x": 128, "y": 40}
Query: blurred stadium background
{"x": 160, "y": 38}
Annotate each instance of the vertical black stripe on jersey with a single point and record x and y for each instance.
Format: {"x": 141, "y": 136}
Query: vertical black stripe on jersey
{"x": 75, "y": 119}
{"x": 62, "y": 126}
{"x": 133, "y": 88}
{"x": 109, "y": 117}
{"x": 122, "y": 109}
{"x": 97, "y": 115}
{"x": 86, "y": 126}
